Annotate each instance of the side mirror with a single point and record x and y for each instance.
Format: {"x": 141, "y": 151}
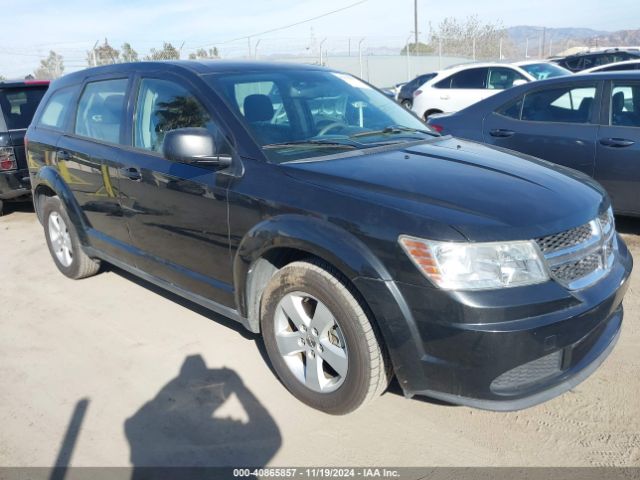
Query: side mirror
{"x": 195, "y": 146}
{"x": 518, "y": 82}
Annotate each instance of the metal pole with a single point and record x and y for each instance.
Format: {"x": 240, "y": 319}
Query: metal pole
{"x": 349, "y": 49}
{"x": 550, "y": 45}
{"x": 500, "y": 49}
{"x": 322, "y": 43}
{"x": 474, "y": 49}
{"x": 415, "y": 21}
{"x": 256, "y": 48}
{"x": 440, "y": 54}
{"x": 93, "y": 51}
{"x": 249, "y": 45}
{"x": 360, "y": 56}
{"x": 526, "y": 49}
{"x": 408, "y": 58}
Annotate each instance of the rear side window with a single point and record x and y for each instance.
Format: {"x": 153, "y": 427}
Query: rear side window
{"x": 473, "y": 78}
{"x": 19, "y": 104}
{"x": 56, "y": 110}
{"x": 561, "y": 104}
{"x": 512, "y": 109}
{"x": 100, "y": 110}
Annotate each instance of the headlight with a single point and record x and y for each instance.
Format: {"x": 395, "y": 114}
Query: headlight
{"x": 476, "y": 266}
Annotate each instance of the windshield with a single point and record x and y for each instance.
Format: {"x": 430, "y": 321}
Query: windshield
{"x": 297, "y": 114}
{"x": 540, "y": 71}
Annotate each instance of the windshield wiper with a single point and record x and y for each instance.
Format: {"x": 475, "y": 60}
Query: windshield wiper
{"x": 392, "y": 130}
{"x": 314, "y": 144}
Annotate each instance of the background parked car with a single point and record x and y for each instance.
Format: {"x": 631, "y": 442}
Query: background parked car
{"x": 460, "y": 86}
{"x": 615, "y": 67}
{"x": 18, "y": 102}
{"x": 584, "y": 60}
{"x": 565, "y": 121}
{"x": 405, "y": 96}
{"x": 542, "y": 70}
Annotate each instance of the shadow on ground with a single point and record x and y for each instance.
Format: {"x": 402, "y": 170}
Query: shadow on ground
{"x": 12, "y": 207}
{"x": 181, "y": 425}
{"x": 629, "y": 225}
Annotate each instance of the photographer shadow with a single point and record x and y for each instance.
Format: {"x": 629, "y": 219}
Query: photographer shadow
{"x": 185, "y": 424}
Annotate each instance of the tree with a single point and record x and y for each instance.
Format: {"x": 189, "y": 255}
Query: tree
{"x": 202, "y": 54}
{"x": 420, "y": 49}
{"x": 51, "y": 67}
{"x": 103, "y": 54}
{"x": 457, "y": 37}
{"x": 168, "y": 52}
{"x": 128, "y": 54}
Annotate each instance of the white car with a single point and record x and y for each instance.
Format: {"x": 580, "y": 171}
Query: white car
{"x": 459, "y": 86}
{"x": 541, "y": 69}
{"x": 614, "y": 67}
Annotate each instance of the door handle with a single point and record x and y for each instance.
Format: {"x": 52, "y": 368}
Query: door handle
{"x": 63, "y": 155}
{"x": 444, "y": 97}
{"x": 501, "y": 133}
{"x": 132, "y": 173}
{"x": 616, "y": 142}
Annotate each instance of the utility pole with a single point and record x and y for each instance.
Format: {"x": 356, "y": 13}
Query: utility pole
{"x": 415, "y": 21}
{"x": 544, "y": 41}
{"x": 322, "y": 43}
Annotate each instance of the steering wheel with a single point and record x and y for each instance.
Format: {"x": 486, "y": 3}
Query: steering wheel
{"x": 327, "y": 128}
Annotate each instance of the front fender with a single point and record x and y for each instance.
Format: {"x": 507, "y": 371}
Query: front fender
{"x": 48, "y": 178}
{"x": 317, "y": 237}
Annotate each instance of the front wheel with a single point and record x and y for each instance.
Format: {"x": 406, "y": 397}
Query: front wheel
{"x": 320, "y": 341}
{"x": 63, "y": 242}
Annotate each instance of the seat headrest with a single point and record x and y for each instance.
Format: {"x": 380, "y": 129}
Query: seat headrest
{"x": 617, "y": 102}
{"x": 112, "y": 107}
{"x": 258, "y": 108}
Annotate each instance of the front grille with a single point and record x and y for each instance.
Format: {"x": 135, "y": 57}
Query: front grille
{"x": 571, "y": 271}
{"x": 580, "y": 256}
{"x": 527, "y": 374}
{"x": 567, "y": 239}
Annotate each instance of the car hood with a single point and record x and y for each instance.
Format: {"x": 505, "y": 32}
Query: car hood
{"x": 485, "y": 193}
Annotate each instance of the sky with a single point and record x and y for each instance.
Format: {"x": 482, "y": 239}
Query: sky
{"x": 32, "y": 28}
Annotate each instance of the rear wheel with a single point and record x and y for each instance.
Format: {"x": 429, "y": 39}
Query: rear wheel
{"x": 63, "y": 242}
{"x": 321, "y": 342}
{"x": 407, "y": 104}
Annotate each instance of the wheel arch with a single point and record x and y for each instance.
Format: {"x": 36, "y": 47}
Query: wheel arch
{"x": 48, "y": 183}
{"x": 278, "y": 241}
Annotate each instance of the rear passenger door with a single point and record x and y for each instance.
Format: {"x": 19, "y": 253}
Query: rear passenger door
{"x": 557, "y": 123}
{"x": 88, "y": 160}
{"x": 618, "y": 148}
{"x": 176, "y": 212}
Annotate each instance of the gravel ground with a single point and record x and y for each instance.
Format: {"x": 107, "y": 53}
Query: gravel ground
{"x": 145, "y": 379}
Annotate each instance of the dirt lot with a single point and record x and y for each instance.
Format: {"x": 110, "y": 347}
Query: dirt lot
{"x": 110, "y": 371}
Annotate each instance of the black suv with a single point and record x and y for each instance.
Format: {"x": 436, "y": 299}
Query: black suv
{"x": 18, "y": 102}
{"x": 582, "y": 61}
{"x": 315, "y": 211}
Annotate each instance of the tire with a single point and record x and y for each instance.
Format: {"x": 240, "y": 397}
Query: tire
{"x": 64, "y": 244}
{"x": 407, "y": 104}
{"x": 357, "y": 370}
{"x": 428, "y": 113}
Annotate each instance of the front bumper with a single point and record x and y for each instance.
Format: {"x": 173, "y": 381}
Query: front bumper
{"x": 499, "y": 350}
{"x": 14, "y": 184}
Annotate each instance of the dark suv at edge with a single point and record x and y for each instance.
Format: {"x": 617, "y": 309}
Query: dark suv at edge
{"x": 306, "y": 205}
{"x": 18, "y": 102}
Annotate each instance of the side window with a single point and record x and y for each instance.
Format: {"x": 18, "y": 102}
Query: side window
{"x": 100, "y": 110}
{"x": 625, "y": 105}
{"x": 503, "y": 78}
{"x": 473, "y": 78}
{"x": 562, "y": 104}
{"x": 56, "y": 110}
{"x": 446, "y": 83}
{"x": 261, "y": 102}
{"x": 511, "y": 109}
{"x": 164, "y": 105}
